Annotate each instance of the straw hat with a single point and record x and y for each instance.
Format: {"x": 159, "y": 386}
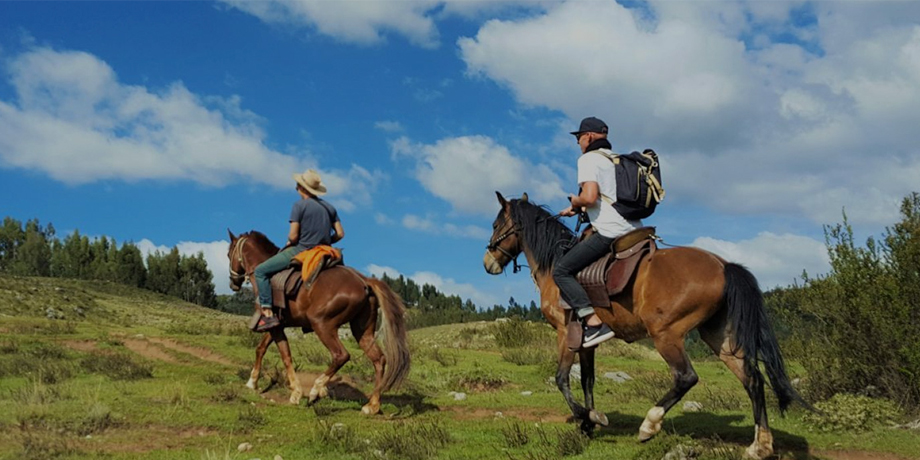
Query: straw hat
{"x": 311, "y": 181}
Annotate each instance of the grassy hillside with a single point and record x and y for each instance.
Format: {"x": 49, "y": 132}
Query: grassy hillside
{"x": 97, "y": 370}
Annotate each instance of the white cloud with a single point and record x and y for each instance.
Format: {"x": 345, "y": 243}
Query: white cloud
{"x": 388, "y": 126}
{"x": 429, "y": 225}
{"x": 776, "y": 260}
{"x": 215, "y": 254}
{"x": 466, "y": 172}
{"x": 370, "y": 22}
{"x": 73, "y": 120}
{"x": 446, "y": 285}
{"x": 743, "y": 125}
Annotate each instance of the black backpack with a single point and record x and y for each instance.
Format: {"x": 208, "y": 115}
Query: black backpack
{"x": 639, "y": 187}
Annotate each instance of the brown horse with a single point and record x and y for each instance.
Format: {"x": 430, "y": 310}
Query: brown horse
{"x": 673, "y": 292}
{"x": 339, "y": 295}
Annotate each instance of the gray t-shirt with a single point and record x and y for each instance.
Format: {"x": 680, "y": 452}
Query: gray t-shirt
{"x": 316, "y": 218}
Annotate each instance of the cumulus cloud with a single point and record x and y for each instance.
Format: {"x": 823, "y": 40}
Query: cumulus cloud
{"x": 466, "y": 172}
{"x": 777, "y": 107}
{"x": 446, "y": 285}
{"x": 72, "y": 119}
{"x": 776, "y": 260}
{"x": 370, "y": 22}
{"x": 430, "y": 225}
{"x": 215, "y": 254}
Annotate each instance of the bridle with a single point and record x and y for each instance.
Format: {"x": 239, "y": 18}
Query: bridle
{"x": 494, "y": 245}
{"x": 235, "y": 277}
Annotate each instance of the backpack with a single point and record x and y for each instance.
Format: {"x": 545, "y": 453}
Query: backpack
{"x": 639, "y": 188}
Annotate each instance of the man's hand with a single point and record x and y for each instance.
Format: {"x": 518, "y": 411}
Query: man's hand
{"x": 568, "y": 212}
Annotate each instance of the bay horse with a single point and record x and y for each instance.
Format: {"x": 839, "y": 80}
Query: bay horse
{"x": 338, "y": 295}
{"x": 673, "y": 291}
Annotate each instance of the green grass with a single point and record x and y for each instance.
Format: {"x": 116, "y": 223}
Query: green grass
{"x": 80, "y": 388}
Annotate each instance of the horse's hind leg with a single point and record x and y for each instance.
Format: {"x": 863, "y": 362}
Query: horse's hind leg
{"x": 280, "y": 338}
{"x": 328, "y": 334}
{"x": 671, "y": 348}
{"x": 253, "y": 382}
{"x": 718, "y": 337}
{"x": 363, "y": 327}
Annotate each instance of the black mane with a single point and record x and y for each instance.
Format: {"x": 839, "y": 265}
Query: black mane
{"x": 543, "y": 233}
{"x": 262, "y": 241}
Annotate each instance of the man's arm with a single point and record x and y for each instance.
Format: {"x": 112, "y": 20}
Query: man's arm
{"x": 293, "y": 235}
{"x": 339, "y": 231}
{"x": 588, "y": 195}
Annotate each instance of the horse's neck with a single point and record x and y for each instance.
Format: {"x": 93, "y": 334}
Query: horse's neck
{"x": 257, "y": 254}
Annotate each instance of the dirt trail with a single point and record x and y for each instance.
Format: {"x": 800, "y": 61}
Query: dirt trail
{"x": 156, "y": 348}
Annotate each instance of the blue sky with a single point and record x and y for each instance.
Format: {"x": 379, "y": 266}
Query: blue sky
{"x": 165, "y": 123}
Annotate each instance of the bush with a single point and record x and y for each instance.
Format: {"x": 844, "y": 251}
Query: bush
{"x": 528, "y": 355}
{"x": 412, "y": 441}
{"x": 517, "y": 333}
{"x": 845, "y": 412}
{"x": 857, "y": 327}
{"x": 515, "y": 434}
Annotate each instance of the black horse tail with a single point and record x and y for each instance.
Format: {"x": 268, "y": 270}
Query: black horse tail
{"x": 753, "y": 336}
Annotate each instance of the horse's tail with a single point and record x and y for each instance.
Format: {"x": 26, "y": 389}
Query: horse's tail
{"x": 394, "y": 335}
{"x": 753, "y": 335}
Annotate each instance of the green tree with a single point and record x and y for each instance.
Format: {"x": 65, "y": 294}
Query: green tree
{"x": 195, "y": 281}
{"x": 11, "y": 237}
{"x": 129, "y": 264}
{"x": 33, "y": 256}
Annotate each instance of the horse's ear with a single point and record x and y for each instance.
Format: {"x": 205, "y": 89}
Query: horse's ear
{"x": 501, "y": 199}
{"x": 524, "y": 198}
{"x": 232, "y": 238}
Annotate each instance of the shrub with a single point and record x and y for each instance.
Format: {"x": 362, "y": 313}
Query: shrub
{"x": 97, "y": 419}
{"x": 249, "y": 418}
{"x": 445, "y": 358}
{"x": 515, "y": 434}
{"x": 857, "y": 326}
{"x": 412, "y": 441}
{"x": 845, "y": 412}
{"x": 516, "y": 333}
{"x": 528, "y": 355}
{"x": 338, "y": 437}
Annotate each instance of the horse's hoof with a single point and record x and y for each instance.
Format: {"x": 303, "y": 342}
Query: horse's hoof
{"x": 648, "y": 432}
{"x": 295, "y": 397}
{"x": 252, "y": 385}
{"x": 323, "y": 392}
{"x": 370, "y": 410}
{"x": 599, "y": 418}
{"x": 758, "y": 452}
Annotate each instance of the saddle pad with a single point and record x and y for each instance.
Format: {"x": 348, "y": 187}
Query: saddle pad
{"x": 285, "y": 284}
{"x": 593, "y": 278}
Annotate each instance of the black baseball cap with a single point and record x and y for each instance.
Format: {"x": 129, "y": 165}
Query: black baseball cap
{"x": 591, "y": 125}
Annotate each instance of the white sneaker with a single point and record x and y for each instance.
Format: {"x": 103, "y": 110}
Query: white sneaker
{"x": 595, "y": 335}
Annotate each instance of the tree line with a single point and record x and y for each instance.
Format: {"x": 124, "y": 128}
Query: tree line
{"x": 31, "y": 249}
{"x": 425, "y": 304}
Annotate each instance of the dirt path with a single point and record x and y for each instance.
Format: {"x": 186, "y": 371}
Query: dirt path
{"x": 156, "y": 348}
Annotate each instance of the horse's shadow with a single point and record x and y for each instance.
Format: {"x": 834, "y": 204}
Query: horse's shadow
{"x": 406, "y": 403}
{"x": 700, "y": 425}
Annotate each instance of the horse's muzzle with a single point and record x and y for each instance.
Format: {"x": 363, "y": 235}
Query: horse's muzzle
{"x": 491, "y": 265}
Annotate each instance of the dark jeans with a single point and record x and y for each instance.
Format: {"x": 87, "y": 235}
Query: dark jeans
{"x": 580, "y": 256}
{"x": 265, "y": 270}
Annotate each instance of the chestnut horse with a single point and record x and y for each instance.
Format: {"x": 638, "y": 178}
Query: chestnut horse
{"x": 672, "y": 292}
{"x": 339, "y": 295}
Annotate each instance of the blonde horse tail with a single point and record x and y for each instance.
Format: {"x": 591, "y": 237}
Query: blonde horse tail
{"x": 394, "y": 335}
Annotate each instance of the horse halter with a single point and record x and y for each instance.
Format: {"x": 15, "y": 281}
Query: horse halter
{"x": 238, "y": 278}
{"x": 494, "y": 246}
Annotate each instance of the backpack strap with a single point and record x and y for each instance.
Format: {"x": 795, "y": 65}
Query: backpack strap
{"x": 615, "y": 159}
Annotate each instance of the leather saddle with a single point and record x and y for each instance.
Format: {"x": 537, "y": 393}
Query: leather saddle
{"x": 287, "y": 283}
{"x": 609, "y": 275}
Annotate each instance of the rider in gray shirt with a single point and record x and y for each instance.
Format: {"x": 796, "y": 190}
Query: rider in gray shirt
{"x": 313, "y": 222}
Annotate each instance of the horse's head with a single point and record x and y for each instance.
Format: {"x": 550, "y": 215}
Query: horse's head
{"x": 237, "y": 267}
{"x": 505, "y": 243}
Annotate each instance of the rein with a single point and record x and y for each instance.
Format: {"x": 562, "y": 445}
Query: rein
{"x": 494, "y": 246}
{"x": 238, "y": 252}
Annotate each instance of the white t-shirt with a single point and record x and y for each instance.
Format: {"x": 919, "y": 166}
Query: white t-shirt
{"x": 595, "y": 167}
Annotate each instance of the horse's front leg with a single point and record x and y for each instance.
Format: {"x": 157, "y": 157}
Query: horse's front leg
{"x": 586, "y": 357}
{"x": 284, "y": 347}
{"x": 566, "y": 359}
{"x": 253, "y": 382}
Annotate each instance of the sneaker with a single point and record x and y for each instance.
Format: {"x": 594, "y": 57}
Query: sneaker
{"x": 595, "y": 335}
{"x": 267, "y": 322}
